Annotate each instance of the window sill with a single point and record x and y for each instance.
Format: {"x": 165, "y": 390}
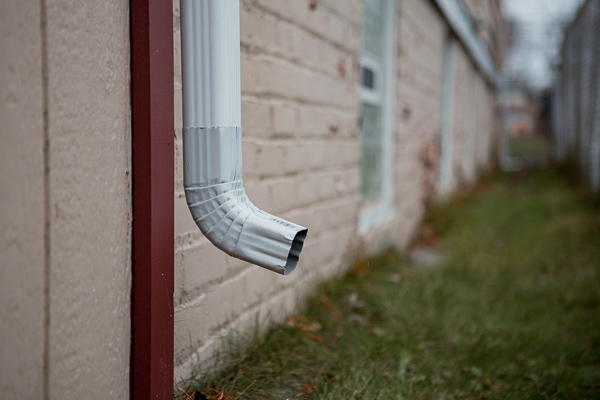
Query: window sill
{"x": 374, "y": 216}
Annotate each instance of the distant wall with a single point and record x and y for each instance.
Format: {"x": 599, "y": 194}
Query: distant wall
{"x": 65, "y": 209}
{"x": 302, "y": 155}
{"x": 575, "y": 99}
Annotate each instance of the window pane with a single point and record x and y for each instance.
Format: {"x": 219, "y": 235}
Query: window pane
{"x": 371, "y": 156}
{"x": 373, "y": 25}
{"x": 367, "y": 78}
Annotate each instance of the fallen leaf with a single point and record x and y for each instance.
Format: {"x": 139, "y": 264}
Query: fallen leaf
{"x": 316, "y": 338}
{"x": 217, "y": 394}
{"x": 307, "y": 389}
{"x": 302, "y": 324}
{"x": 335, "y": 313}
{"x": 361, "y": 267}
{"x": 312, "y": 327}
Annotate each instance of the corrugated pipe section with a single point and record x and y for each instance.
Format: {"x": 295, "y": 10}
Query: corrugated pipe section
{"x": 212, "y": 142}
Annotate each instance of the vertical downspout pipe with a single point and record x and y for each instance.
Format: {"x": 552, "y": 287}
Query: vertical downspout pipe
{"x": 212, "y": 142}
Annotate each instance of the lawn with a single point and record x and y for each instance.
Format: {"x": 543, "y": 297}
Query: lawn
{"x": 529, "y": 147}
{"x": 512, "y": 313}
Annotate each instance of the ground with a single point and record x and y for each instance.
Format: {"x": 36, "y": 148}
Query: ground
{"x": 511, "y": 310}
{"x": 531, "y": 147}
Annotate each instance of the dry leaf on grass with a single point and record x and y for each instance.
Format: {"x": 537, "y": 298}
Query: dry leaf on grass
{"x": 335, "y": 313}
{"x": 307, "y": 389}
{"x": 316, "y": 338}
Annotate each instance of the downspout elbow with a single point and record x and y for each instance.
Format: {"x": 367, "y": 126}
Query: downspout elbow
{"x": 215, "y": 195}
{"x": 212, "y": 143}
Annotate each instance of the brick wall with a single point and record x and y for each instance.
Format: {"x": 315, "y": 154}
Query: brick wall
{"x": 302, "y": 155}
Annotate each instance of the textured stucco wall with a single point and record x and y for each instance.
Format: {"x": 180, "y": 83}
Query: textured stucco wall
{"x": 22, "y": 202}
{"x": 65, "y": 212}
{"x": 89, "y": 134}
{"x": 302, "y": 157}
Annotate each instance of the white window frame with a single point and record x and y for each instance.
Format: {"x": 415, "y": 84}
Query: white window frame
{"x": 446, "y": 181}
{"x": 368, "y": 95}
{"x": 374, "y": 214}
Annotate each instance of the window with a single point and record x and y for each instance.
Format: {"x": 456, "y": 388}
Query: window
{"x": 446, "y": 177}
{"x": 377, "y": 94}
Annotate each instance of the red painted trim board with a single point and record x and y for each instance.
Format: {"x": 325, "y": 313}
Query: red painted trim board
{"x": 153, "y": 180}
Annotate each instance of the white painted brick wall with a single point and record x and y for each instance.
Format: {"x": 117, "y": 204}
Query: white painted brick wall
{"x": 302, "y": 154}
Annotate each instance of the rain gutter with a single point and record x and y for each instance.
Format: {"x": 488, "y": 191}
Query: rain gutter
{"x": 212, "y": 143}
{"x": 461, "y": 24}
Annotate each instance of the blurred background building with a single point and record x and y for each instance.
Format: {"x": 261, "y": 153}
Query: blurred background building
{"x": 575, "y": 95}
{"x": 548, "y": 89}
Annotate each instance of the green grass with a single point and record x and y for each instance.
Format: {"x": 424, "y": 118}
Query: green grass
{"x": 529, "y": 147}
{"x": 513, "y": 314}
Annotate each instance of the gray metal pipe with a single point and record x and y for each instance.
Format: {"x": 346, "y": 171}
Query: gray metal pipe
{"x": 212, "y": 143}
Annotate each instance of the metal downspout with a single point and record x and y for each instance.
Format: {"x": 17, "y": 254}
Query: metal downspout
{"x": 212, "y": 142}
